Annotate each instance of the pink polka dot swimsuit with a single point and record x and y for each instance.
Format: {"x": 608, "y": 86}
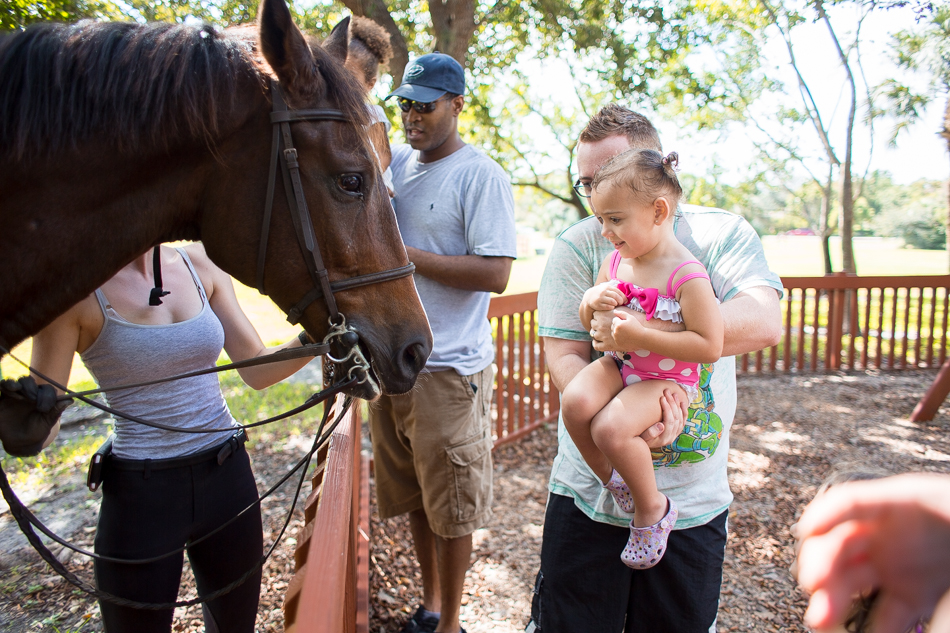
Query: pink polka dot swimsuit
{"x": 642, "y": 364}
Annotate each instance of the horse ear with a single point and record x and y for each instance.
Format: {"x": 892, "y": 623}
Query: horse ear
{"x": 338, "y": 42}
{"x": 285, "y": 48}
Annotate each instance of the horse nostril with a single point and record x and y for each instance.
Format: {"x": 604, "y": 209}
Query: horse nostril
{"x": 414, "y": 356}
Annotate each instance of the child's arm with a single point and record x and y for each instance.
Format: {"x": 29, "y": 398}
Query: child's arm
{"x": 601, "y": 296}
{"x": 701, "y": 342}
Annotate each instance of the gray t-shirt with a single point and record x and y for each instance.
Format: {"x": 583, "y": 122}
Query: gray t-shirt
{"x": 459, "y": 205}
{"x": 692, "y": 471}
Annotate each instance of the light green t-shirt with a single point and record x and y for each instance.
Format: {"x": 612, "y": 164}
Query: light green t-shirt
{"x": 692, "y": 470}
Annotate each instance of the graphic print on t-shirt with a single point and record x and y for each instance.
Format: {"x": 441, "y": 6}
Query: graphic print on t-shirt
{"x": 703, "y": 431}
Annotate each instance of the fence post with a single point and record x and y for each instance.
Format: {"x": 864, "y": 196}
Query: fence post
{"x": 838, "y": 308}
{"x": 928, "y": 405}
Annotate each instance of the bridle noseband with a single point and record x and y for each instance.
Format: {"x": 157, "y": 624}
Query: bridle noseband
{"x": 283, "y": 151}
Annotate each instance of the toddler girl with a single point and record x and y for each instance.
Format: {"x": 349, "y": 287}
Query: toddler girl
{"x": 614, "y": 399}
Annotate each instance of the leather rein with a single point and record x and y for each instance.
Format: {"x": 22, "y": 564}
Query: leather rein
{"x": 285, "y": 154}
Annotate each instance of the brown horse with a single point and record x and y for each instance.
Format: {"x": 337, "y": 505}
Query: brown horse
{"x": 115, "y": 137}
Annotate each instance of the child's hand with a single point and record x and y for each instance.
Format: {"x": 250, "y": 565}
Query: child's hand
{"x": 626, "y": 329}
{"x": 604, "y": 296}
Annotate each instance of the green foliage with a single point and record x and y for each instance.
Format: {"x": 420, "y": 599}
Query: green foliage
{"x": 18, "y": 14}
{"x": 922, "y": 53}
{"x": 249, "y": 406}
{"x": 915, "y": 212}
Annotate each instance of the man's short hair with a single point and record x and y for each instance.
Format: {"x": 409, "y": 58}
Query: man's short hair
{"x": 614, "y": 120}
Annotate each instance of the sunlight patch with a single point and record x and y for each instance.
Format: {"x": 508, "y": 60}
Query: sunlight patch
{"x": 747, "y": 470}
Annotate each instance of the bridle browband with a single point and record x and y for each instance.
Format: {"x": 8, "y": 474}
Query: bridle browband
{"x": 284, "y": 152}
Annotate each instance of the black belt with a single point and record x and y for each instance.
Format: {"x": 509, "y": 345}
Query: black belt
{"x": 221, "y": 452}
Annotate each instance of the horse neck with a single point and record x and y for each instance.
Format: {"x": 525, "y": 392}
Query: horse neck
{"x": 74, "y": 219}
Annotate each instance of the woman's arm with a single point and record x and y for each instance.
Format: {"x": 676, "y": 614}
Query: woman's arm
{"x": 700, "y": 342}
{"x": 29, "y": 424}
{"x": 241, "y": 340}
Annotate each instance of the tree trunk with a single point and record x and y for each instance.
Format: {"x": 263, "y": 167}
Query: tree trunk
{"x": 824, "y": 225}
{"x": 826, "y": 253}
{"x": 945, "y": 133}
{"x": 846, "y": 228}
{"x": 453, "y": 23}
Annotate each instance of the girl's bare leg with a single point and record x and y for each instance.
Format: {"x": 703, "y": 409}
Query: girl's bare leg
{"x": 616, "y": 432}
{"x": 585, "y": 396}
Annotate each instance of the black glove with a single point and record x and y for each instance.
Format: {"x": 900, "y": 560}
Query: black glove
{"x": 27, "y": 414}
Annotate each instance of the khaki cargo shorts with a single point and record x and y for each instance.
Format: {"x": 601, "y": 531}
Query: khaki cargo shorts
{"x": 432, "y": 451}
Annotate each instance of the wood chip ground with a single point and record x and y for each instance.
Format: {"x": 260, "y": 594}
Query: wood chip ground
{"x": 787, "y": 434}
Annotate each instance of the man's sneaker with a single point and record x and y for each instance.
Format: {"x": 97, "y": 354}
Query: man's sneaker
{"x": 421, "y": 622}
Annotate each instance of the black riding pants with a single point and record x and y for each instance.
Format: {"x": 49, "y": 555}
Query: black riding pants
{"x": 151, "y": 512}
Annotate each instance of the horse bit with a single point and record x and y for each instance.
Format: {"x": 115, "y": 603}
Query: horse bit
{"x": 284, "y": 153}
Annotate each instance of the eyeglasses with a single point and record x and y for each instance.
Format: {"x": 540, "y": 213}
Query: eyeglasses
{"x": 422, "y": 108}
{"x": 583, "y": 189}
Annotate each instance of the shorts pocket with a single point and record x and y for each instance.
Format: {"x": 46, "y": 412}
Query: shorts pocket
{"x": 471, "y": 468}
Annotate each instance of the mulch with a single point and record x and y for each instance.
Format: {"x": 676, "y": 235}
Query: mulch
{"x": 788, "y": 432}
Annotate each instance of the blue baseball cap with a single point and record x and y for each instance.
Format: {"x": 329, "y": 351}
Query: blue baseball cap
{"x": 430, "y": 77}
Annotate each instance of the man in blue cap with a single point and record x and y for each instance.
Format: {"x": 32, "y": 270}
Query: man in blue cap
{"x": 432, "y": 447}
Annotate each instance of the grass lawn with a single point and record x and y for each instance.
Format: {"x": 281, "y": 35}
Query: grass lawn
{"x": 800, "y": 256}
{"x": 791, "y": 256}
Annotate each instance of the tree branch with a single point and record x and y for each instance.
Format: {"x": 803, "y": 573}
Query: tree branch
{"x": 811, "y": 108}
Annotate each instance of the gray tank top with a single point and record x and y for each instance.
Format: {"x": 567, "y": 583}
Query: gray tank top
{"x": 128, "y": 352}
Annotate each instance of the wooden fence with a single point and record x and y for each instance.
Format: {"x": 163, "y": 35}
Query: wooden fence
{"x": 329, "y": 592}
{"x": 830, "y": 323}
{"x": 525, "y": 398}
{"x": 848, "y": 322}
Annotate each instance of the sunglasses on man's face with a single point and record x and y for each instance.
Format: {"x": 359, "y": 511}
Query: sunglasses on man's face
{"x": 422, "y": 108}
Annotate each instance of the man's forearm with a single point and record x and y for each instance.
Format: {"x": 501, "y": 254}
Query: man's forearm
{"x": 465, "y": 272}
{"x": 565, "y": 359}
{"x": 752, "y": 320}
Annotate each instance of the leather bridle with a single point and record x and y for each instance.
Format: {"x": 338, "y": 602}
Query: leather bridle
{"x": 283, "y": 151}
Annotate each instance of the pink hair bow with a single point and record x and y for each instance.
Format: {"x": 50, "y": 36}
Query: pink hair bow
{"x": 646, "y": 296}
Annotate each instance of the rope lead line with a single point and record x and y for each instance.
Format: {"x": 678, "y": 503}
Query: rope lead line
{"x": 26, "y": 520}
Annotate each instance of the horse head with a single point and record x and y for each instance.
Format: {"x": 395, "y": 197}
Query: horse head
{"x": 354, "y": 228}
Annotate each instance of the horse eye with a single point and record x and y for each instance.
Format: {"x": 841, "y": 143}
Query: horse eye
{"x": 351, "y": 183}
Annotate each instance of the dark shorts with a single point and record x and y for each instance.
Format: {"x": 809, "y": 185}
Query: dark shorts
{"x": 146, "y": 514}
{"x": 583, "y": 585}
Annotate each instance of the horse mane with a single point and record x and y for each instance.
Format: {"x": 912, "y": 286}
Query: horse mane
{"x": 129, "y": 85}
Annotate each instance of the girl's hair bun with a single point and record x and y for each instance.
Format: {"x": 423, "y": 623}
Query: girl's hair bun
{"x": 670, "y": 162}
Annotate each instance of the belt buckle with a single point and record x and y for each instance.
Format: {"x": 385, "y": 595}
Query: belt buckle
{"x": 231, "y": 445}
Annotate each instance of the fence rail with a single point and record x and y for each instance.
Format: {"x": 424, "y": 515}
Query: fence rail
{"x": 849, "y": 322}
{"x": 329, "y": 592}
{"x": 830, "y": 323}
